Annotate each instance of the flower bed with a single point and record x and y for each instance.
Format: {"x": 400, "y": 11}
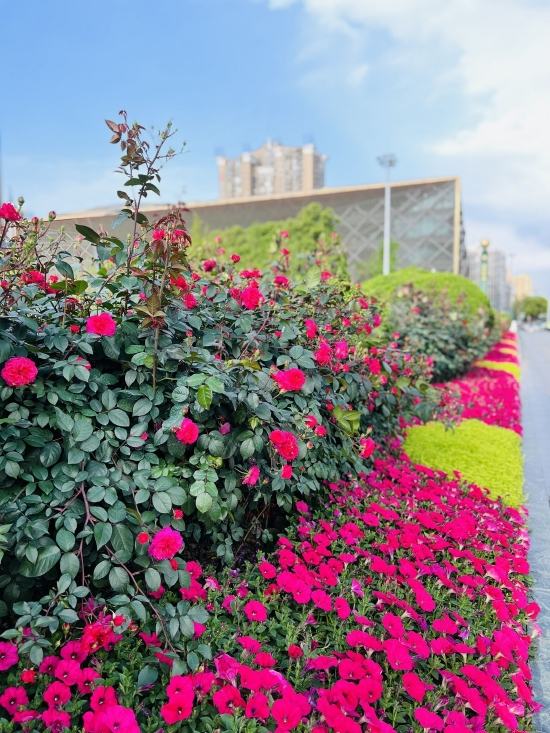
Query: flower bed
{"x": 485, "y": 445}
{"x": 402, "y": 604}
{"x": 160, "y": 421}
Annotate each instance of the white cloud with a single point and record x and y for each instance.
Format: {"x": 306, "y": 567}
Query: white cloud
{"x": 494, "y": 55}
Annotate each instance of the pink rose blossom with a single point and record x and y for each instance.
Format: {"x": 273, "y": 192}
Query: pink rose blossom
{"x": 165, "y": 544}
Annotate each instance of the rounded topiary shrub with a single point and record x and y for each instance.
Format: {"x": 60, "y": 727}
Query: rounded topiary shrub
{"x": 157, "y": 409}
{"x": 444, "y": 316}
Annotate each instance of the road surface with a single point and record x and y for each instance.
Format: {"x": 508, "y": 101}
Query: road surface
{"x": 535, "y": 396}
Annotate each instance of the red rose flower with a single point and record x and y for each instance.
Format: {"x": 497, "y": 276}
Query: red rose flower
{"x": 292, "y": 380}
{"x": 251, "y": 297}
{"x": 9, "y": 212}
{"x": 165, "y": 544}
{"x": 188, "y": 432}
{"x": 19, "y": 371}
{"x": 102, "y": 325}
{"x": 285, "y": 444}
{"x": 189, "y": 301}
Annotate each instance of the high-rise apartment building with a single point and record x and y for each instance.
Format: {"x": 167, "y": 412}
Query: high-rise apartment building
{"x": 522, "y": 287}
{"x": 273, "y": 169}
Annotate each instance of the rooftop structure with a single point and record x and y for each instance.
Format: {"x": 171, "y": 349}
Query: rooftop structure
{"x": 273, "y": 169}
{"x": 426, "y": 220}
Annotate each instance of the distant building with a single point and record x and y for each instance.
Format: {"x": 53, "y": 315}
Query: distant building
{"x": 521, "y": 286}
{"x": 426, "y": 220}
{"x": 273, "y": 169}
{"x": 498, "y": 287}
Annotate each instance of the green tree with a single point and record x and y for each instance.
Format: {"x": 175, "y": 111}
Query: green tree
{"x": 532, "y": 307}
{"x": 311, "y": 231}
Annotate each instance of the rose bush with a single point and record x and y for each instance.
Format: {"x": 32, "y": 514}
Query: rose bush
{"x": 159, "y": 397}
{"x": 441, "y": 328}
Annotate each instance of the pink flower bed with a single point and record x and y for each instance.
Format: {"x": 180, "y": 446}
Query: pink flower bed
{"x": 490, "y": 395}
{"x": 402, "y": 604}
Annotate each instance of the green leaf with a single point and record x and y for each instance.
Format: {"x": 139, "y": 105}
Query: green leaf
{"x": 87, "y": 233}
{"x": 69, "y": 564}
{"x": 50, "y": 454}
{"x": 204, "y": 396}
{"x": 180, "y": 394}
{"x": 199, "y": 614}
{"x": 68, "y": 616}
{"x": 90, "y": 444}
{"x": 64, "y": 421}
{"x": 247, "y": 448}
{"x": 118, "y": 579}
{"x": 82, "y": 373}
{"x": 102, "y": 533}
{"x": 102, "y": 570}
{"x": 203, "y": 502}
{"x": 64, "y": 269}
{"x": 152, "y": 579}
{"x": 110, "y": 347}
{"x": 215, "y": 384}
{"x": 195, "y": 379}
{"x": 5, "y": 350}
{"x": 36, "y": 654}
{"x": 47, "y": 557}
{"x": 65, "y": 540}
{"x": 142, "y": 407}
{"x": 120, "y": 418}
{"x": 122, "y": 538}
{"x": 296, "y": 352}
{"x": 162, "y": 502}
{"x": 205, "y": 650}
{"x": 12, "y": 469}
{"x": 147, "y": 676}
{"x": 313, "y": 276}
{"x": 187, "y": 626}
{"x": 215, "y": 512}
{"x": 139, "y": 610}
{"x": 83, "y": 429}
{"x": 193, "y": 661}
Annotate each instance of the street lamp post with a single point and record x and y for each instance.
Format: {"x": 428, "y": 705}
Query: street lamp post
{"x": 387, "y": 161}
{"x": 484, "y": 273}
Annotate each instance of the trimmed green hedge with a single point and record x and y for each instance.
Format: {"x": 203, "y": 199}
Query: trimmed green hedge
{"x": 486, "y": 455}
{"x": 384, "y": 286}
{"x": 503, "y": 366}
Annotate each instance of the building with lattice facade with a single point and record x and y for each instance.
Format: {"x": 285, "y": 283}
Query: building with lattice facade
{"x": 273, "y": 169}
{"x": 426, "y": 220}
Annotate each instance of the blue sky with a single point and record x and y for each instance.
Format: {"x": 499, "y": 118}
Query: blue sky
{"x": 452, "y": 87}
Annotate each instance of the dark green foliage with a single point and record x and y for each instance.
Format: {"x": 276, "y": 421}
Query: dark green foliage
{"x": 441, "y": 328}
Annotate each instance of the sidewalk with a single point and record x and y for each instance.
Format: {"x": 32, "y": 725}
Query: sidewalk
{"x": 535, "y": 397}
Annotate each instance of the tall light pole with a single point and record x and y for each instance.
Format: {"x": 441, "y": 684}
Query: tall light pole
{"x": 387, "y": 161}
{"x": 484, "y": 274}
